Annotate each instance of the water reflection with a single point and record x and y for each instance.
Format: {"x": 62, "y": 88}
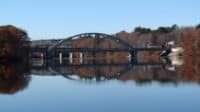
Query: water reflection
{"x": 16, "y": 76}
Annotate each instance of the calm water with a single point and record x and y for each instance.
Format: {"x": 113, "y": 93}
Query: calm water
{"x": 97, "y": 87}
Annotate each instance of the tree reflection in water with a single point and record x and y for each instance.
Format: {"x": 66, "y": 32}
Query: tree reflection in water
{"x": 13, "y": 77}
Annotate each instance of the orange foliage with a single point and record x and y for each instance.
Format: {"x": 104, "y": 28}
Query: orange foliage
{"x": 191, "y": 44}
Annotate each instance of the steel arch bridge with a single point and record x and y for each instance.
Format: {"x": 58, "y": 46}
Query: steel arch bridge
{"x": 127, "y": 47}
{"x": 95, "y": 36}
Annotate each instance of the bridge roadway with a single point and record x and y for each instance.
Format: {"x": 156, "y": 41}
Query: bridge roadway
{"x": 101, "y": 65}
{"x": 99, "y": 49}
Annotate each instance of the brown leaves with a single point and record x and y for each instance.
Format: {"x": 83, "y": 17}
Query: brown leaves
{"x": 12, "y": 40}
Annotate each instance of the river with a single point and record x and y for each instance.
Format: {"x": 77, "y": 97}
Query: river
{"x": 98, "y": 86}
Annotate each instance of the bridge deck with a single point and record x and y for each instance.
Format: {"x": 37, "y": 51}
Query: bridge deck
{"x": 101, "y": 65}
{"x": 98, "y": 49}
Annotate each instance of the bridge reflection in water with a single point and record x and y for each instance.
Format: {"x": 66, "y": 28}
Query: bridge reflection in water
{"x": 92, "y": 68}
{"x": 13, "y": 78}
{"x": 98, "y": 70}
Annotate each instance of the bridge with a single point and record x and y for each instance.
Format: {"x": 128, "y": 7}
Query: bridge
{"x": 60, "y": 49}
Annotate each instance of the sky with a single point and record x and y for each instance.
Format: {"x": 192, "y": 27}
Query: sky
{"x": 46, "y": 19}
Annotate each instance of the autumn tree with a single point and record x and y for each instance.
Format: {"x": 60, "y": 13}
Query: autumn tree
{"x": 14, "y": 77}
{"x": 14, "y": 43}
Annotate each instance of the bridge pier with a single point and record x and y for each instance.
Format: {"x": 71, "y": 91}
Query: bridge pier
{"x": 70, "y": 57}
{"x": 129, "y": 57}
{"x": 60, "y": 57}
{"x": 81, "y": 58}
{"x": 42, "y": 58}
{"x": 42, "y": 55}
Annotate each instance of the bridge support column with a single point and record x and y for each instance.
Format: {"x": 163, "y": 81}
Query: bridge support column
{"x": 42, "y": 58}
{"x": 70, "y": 58}
{"x": 129, "y": 57}
{"x": 60, "y": 58}
{"x": 81, "y": 58}
{"x": 42, "y": 55}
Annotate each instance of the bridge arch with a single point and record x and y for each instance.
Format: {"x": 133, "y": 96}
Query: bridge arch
{"x": 93, "y": 35}
{"x": 102, "y": 77}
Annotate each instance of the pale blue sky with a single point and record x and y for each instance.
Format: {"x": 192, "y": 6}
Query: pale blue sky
{"x": 62, "y": 18}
